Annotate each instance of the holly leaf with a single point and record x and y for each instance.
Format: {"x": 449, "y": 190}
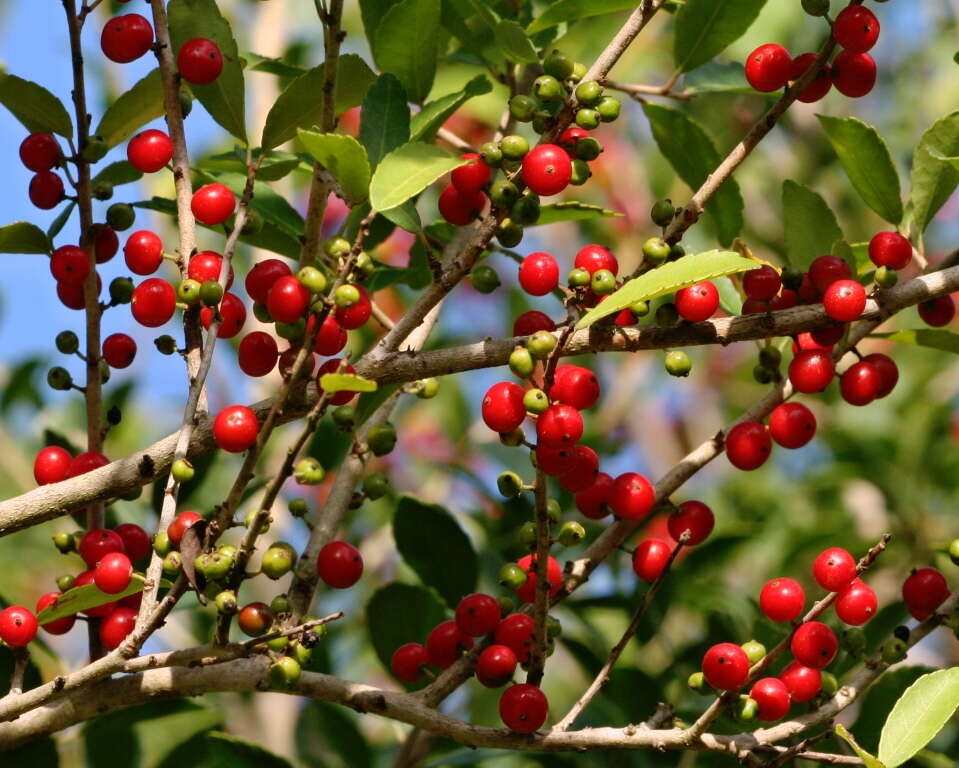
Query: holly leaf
{"x": 398, "y": 613}
{"x": 345, "y": 158}
{"x": 572, "y": 210}
{"x": 133, "y": 108}
{"x": 406, "y": 44}
{"x": 23, "y": 237}
{"x": 705, "y": 28}
{"x": 332, "y": 383}
{"x": 810, "y": 225}
{"x": 34, "y": 106}
{"x": 514, "y": 44}
{"x": 384, "y": 118}
{"x": 570, "y": 10}
{"x": 83, "y": 598}
{"x": 921, "y": 712}
{"x": 428, "y": 120}
{"x": 407, "y": 171}
{"x": 934, "y": 178}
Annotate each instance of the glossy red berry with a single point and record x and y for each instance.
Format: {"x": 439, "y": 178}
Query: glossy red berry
{"x": 408, "y": 661}
{"x": 890, "y": 249}
{"x": 762, "y": 284}
{"x": 814, "y": 644}
{"x": 235, "y": 428}
{"x": 692, "y": 516}
{"x": 97, "y": 543}
{"x": 632, "y": 496}
{"x": 113, "y": 573}
{"x": 86, "y": 462}
{"x": 782, "y": 600}
{"x": 856, "y": 28}
{"x": 471, "y": 177}
{"x": 150, "y": 150}
{"x": 355, "y": 316}
{"x": 199, "y": 61}
{"x": 257, "y": 353}
{"x": 116, "y": 626}
{"x": 255, "y": 619}
{"x": 206, "y": 265}
{"x": 70, "y": 264}
{"x": 446, "y": 643}
{"x": 119, "y": 350}
{"x": 46, "y": 190}
{"x": 460, "y": 208}
{"x": 99, "y": 611}
{"x": 57, "y": 626}
{"x": 857, "y": 603}
{"x": 748, "y": 445}
{"x": 180, "y": 524}
{"x": 575, "y": 386}
{"x": 583, "y": 470}
{"x": 233, "y": 315}
{"x": 136, "y": 542}
{"x": 40, "y": 152}
{"x": 923, "y": 591}
{"x": 287, "y": 300}
{"x": 594, "y": 501}
{"x": 333, "y": 366}
{"x": 143, "y": 252}
{"x": 826, "y": 338}
{"x": 787, "y": 299}
{"x": 792, "y": 425}
{"x": 755, "y": 307}
{"x": 826, "y": 270}
{"x": 105, "y": 243}
{"x": 523, "y": 708}
{"x": 726, "y": 666}
{"x": 538, "y": 274}
{"x": 18, "y": 626}
{"x": 547, "y": 169}
{"x": 854, "y": 74}
{"x": 126, "y": 38}
{"x": 834, "y": 569}
{"x": 938, "y": 312}
{"x": 554, "y": 577}
{"x": 820, "y": 85}
{"x": 697, "y": 302}
{"x": 860, "y": 384}
{"x": 330, "y": 339}
{"x": 477, "y": 615}
{"x": 502, "y": 408}
{"x": 593, "y": 258}
{"x": 772, "y": 698}
{"x": 888, "y": 372}
{"x": 154, "y": 302}
{"x": 570, "y": 136}
{"x": 516, "y": 633}
{"x": 802, "y": 682}
{"x": 213, "y": 204}
{"x": 496, "y": 665}
{"x": 340, "y": 565}
{"x": 555, "y": 462}
{"x": 51, "y": 465}
{"x": 559, "y": 426}
{"x": 650, "y": 558}
{"x": 260, "y": 279}
{"x": 768, "y": 68}
{"x": 844, "y": 300}
{"x": 532, "y": 321}
{"x": 811, "y": 371}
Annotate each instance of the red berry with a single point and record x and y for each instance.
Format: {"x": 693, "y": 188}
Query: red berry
{"x": 650, "y": 558}
{"x": 854, "y": 74}
{"x": 496, "y": 665}
{"x": 583, "y": 472}
{"x": 477, "y": 615}
{"x": 807, "y": 290}
{"x": 593, "y": 258}
{"x": 888, "y": 372}
{"x": 180, "y": 524}
{"x": 811, "y": 370}
{"x": 105, "y": 243}
{"x": 594, "y": 501}
{"x": 856, "y": 29}
{"x": 287, "y": 300}
{"x": 755, "y": 307}
{"x": 460, "y": 208}
{"x": 113, "y": 573}
{"x": 206, "y": 266}
{"x": 70, "y": 264}
{"x": 570, "y": 136}
{"x": 136, "y": 542}
{"x": 119, "y": 350}
{"x": 340, "y": 565}
{"x": 792, "y": 425}
{"x": 826, "y": 270}
{"x": 523, "y": 708}
{"x": 554, "y": 577}
{"x": 255, "y": 619}
{"x": 516, "y": 633}
{"x": 632, "y": 496}
{"x": 97, "y": 543}
{"x": 826, "y": 338}
{"x": 547, "y": 169}
{"x": 86, "y": 462}
{"x": 116, "y": 626}
{"x": 538, "y": 274}
{"x": 924, "y": 590}
{"x": 555, "y": 461}
{"x": 330, "y": 339}
{"x": 782, "y": 600}
{"x": 844, "y": 300}
{"x": 814, "y": 644}
{"x": 260, "y": 279}
{"x": 748, "y": 445}
{"x": 408, "y": 661}
{"x": 57, "y": 626}
{"x": 39, "y": 152}
{"x": 235, "y": 428}
{"x": 472, "y": 177}
{"x": 233, "y": 315}
{"x": 126, "y": 38}
{"x": 150, "y": 150}
{"x": 860, "y": 384}
{"x": 559, "y": 426}
{"x": 575, "y": 386}
{"x": 51, "y": 465}
{"x": 257, "y": 353}
{"x": 18, "y": 626}
{"x": 532, "y": 321}
{"x": 46, "y": 190}
{"x": 762, "y": 284}
{"x": 803, "y": 683}
{"x": 99, "y": 611}
{"x": 787, "y": 299}
{"x": 937, "y": 312}
{"x": 726, "y": 666}
{"x": 154, "y": 302}
{"x": 768, "y": 68}
{"x": 143, "y": 252}
{"x": 446, "y": 643}
{"x": 890, "y": 249}
{"x": 856, "y": 604}
{"x": 772, "y": 698}
{"x": 834, "y": 569}
{"x": 692, "y": 516}
{"x": 503, "y": 409}
{"x": 697, "y": 302}
{"x": 212, "y": 204}
{"x": 355, "y": 316}
{"x": 199, "y": 61}
{"x": 820, "y": 85}
{"x": 333, "y": 366}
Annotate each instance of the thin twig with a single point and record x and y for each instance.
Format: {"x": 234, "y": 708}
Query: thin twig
{"x": 537, "y": 657}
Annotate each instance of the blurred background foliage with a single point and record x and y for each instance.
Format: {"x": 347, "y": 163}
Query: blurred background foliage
{"x": 892, "y": 466}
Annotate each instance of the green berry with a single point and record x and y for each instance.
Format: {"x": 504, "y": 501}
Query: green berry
{"x": 292, "y": 332}
{"x": 678, "y": 363}
{"x": 186, "y": 103}
{"x": 253, "y": 224}
{"x": 792, "y": 277}
{"x": 553, "y": 510}
{"x": 763, "y": 375}
{"x": 571, "y": 533}
{"x": 587, "y": 118}
{"x": 639, "y": 308}
{"x": 578, "y": 278}
{"x": 261, "y": 313}
{"x": 211, "y": 293}
{"x": 172, "y": 564}
{"x": 541, "y": 122}
{"x": 344, "y": 416}
{"x": 64, "y": 542}
{"x": 667, "y": 314}
{"x": 755, "y": 651}
{"x": 954, "y": 551}
{"x": 603, "y": 282}
{"x": 514, "y": 147}
{"x": 558, "y": 65}
{"x": 522, "y": 108}
{"x": 509, "y": 233}
{"x": 258, "y": 520}
{"x": 337, "y": 247}
{"x": 121, "y": 290}
{"x": 581, "y": 173}
{"x": 512, "y": 576}
{"x": 662, "y": 212}
{"x": 298, "y": 507}
{"x": 589, "y": 93}
{"x": 381, "y": 439}
{"x": 312, "y": 279}
{"x": 363, "y": 263}
{"x": 300, "y": 652}
{"x": 67, "y": 342}
{"x": 770, "y": 357}
{"x": 886, "y": 277}
{"x": 541, "y": 344}
{"x": 182, "y": 471}
{"x": 162, "y": 544}
{"x": 218, "y": 566}
{"x": 59, "y": 378}
{"x": 427, "y": 389}
{"x": 509, "y": 485}
{"x": 228, "y": 550}
{"x": 853, "y": 641}
{"x": 746, "y": 709}
{"x": 280, "y": 604}
{"x": 829, "y": 684}
{"x": 547, "y": 88}
{"x": 526, "y": 209}
{"x": 65, "y": 582}
{"x": 284, "y": 672}
{"x": 656, "y": 250}
{"x": 346, "y": 296}
{"x": 309, "y": 471}
{"x": 484, "y": 278}
{"x": 376, "y": 486}
{"x": 504, "y": 193}
{"x": 526, "y": 535}
{"x": 697, "y": 683}
{"x": 120, "y": 216}
{"x": 579, "y": 71}
{"x": 608, "y": 108}
{"x": 587, "y": 148}
{"x": 225, "y": 602}
{"x": 491, "y": 154}
{"x": 102, "y": 190}
{"x": 95, "y": 149}
{"x": 512, "y": 439}
{"x": 535, "y": 401}
{"x": 188, "y": 291}
{"x": 894, "y": 650}
{"x": 276, "y": 562}
{"x": 521, "y": 362}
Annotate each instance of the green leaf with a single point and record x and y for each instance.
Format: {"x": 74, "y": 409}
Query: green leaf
{"x": 405, "y": 216}
{"x": 239, "y": 753}
{"x": 867, "y": 760}
{"x": 705, "y": 28}
{"x": 729, "y": 298}
{"x": 132, "y": 109}
{"x": 921, "y": 712}
{"x": 944, "y": 341}
{"x": 345, "y": 382}
{"x": 428, "y": 120}
{"x": 810, "y": 226}
{"x": 60, "y": 221}
{"x": 325, "y": 730}
{"x": 693, "y": 156}
{"x": 406, "y": 44}
{"x": 571, "y": 10}
{"x": 273, "y": 207}
{"x": 34, "y": 106}
{"x": 224, "y": 98}
{"x": 345, "y": 158}
{"x": 373, "y": 12}
{"x": 88, "y": 596}
{"x": 514, "y": 43}
{"x": 879, "y": 700}
{"x": 120, "y": 172}
{"x": 384, "y": 118}
{"x": 398, "y": 612}
{"x": 669, "y": 278}
{"x": 23, "y": 237}
{"x": 21, "y": 385}
{"x": 572, "y": 210}
{"x": 272, "y": 66}
{"x": 714, "y": 77}
{"x": 407, "y": 171}
{"x": 933, "y": 178}
{"x": 445, "y": 559}
{"x": 301, "y": 103}
{"x": 867, "y": 162}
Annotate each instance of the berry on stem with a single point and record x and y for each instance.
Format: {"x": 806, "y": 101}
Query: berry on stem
{"x": 792, "y": 425}
{"x": 496, "y": 665}
{"x": 834, "y": 569}
{"x": 768, "y": 68}
{"x": 814, "y": 644}
{"x": 213, "y": 204}
{"x": 408, "y": 661}
{"x": 844, "y": 300}
{"x": 802, "y": 682}
{"x": 150, "y": 150}
{"x": 199, "y": 61}
{"x": 547, "y": 169}
{"x": 51, "y": 465}
{"x": 631, "y": 496}
{"x": 153, "y": 302}
{"x": 559, "y": 426}
{"x": 446, "y": 643}
{"x": 725, "y": 666}
{"x": 772, "y": 698}
{"x": 477, "y": 615}
{"x": 516, "y": 633}
{"x": 694, "y": 517}
{"x": 890, "y": 249}
{"x": 782, "y": 599}
{"x": 650, "y": 559}
{"x": 856, "y": 603}
{"x": 538, "y": 274}
{"x": 860, "y": 384}
{"x": 235, "y": 428}
{"x": 856, "y": 29}
{"x": 748, "y": 445}
{"x": 339, "y": 564}
{"x": 697, "y": 302}
{"x": 126, "y": 38}
{"x": 811, "y": 370}
{"x": 523, "y": 708}
{"x": 854, "y": 74}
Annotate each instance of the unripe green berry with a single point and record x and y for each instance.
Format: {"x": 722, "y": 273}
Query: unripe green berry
{"x": 770, "y": 357}
{"x": 571, "y": 533}
{"x": 512, "y": 439}
{"x": 509, "y": 233}
{"x": 102, "y": 190}
{"x": 581, "y": 173}
{"x": 791, "y": 277}
{"x": 484, "y": 278}
{"x": 172, "y": 564}
{"x": 954, "y": 551}
{"x": 375, "y": 486}
{"x": 541, "y": 344}
{"x": 64, "y": 542}
{"x": 491, "y": 154}
{"x": 211, "y": 293}
{"x": 853, "y": 641}
{"x": 521, "y": 362}
{"x": 603, "y": 282}
{"x": 59, "y": 378}
{"x": 667, "y": 314}
{"x": 292, "y": 332}
{"x": 553, "y": 510}
{"x": 120, "y": 216}
{"x": 186, "y": 103}
{"x": 589, "y": 93}
{"x": 427, "y": 389}
{"x": 608, "y": 108}
{"x": 65, "y": 582}
{"x": 697, "y": 683}
{"x": 300, "y": 652}
{"x": 276, "y": 562}
{"x": 253, "y": 224}
{"x": 662, "y": 212}
{"x": 284, "y": 672}
{"x": 816, "y": 7}
{"x": 894, "y": 650}
{"x": 512, "y": 576}
{"x": 257, "y": 520}
{"x": 755, "y": 651}
{"x": 336, "y": 247}
{"x": 639, "y": 308}
{"x": 364, "y": 263}
{"x": 298, "y": 507}
{"x": 225, "y": 602}
{"x": 261, "y": 313}
{"x": 162, "y": 544}
{"x": 188, "y": 291}
{"x": 886, "y": 277}
{"x": 558, "y": 65}
{"x": 121, "y": 290}
{"x": 762, "y": 375}
{"x": 541, "y": 122}
{"x": 522, "y": 107}
{"x": 587, "y": 148}
{"x": 587, "y": 118}
{"x": 94, "y": 150}
{"x": 514, "y": 147}
{"x": 504, "y": 193}
{"x": 579, "y": 71}
{"x": 67, "y": 342}
{"x": 526, "y": 535}
{"x": 746, "y": 709}
{"x": 312, "y": 279}
{"x": 578, "y": 278}
{"x": 656, "y": 250}
{"x": 381, "y": 439}
{"x": 344, "y": 416}
{"x": 346, "y": 296}
{"x": 309, "y": 471}
{"x": 547, "y": 88}
{"x": 182, "y": 471}
{"x": 509, "y": 485}
{"x": 218, "y": 566}
{"x": 228, "y": 551}
{"x": 280, "y": 604}
{"x": 525, "y": 210}
{"x": 678, "y": 363}
{"x": 676, "y": 252}
{"x": 829, "y": 684}
{"x": 535, "y": 401}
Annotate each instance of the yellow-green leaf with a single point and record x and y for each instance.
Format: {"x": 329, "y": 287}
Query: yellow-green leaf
{"x": 921, "y": 712}
{"x": 406, "y": 44}
{"x": 869, "y": 761}
{"x": 934, "y": 178}
{"x": 345, "y": 158}
{"x": 345, "y": 382}
{"x": 704, "y": 28}
{"x": 82, "y": 598}
{"x": 407, "y": 171}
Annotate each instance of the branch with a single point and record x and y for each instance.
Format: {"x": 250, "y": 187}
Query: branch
{"x": 537, "y": 658}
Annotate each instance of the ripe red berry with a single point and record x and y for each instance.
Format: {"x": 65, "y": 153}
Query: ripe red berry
{"x": 762, "y": 284}
{"x": 86, "y": 462}
{"x": 923, "y": 591}
{"x": 554, "y": 577}
{"x": 340, "y": 565}
{"x": 768, "y": 68}
{"x": 937, "y": 312}
{"x": 772, "y": 698}
{"x": 860, "y": 384}
{"x": 150, "y": 150}
{"x": 547, "y": 169}
{"x": 212, "y": 204}
{"x": 99, "y": 611}
{"x": 233, "y": 315}
{"x": 235, "y": 428}
{"x": 496, "y": 665}
{"x": 697, "y": 302}
{"x": 472, "y": 177}
{"x": 257, "y": 353}
{"x": 516, "y": 633}
{"x": 199, "y": 61}
{"x": 206, "y": 265}
{"x": 650, "y": 558}
{"x": 503, "y": 409}
{"x": 477, "y": 615}
{"x": 523, "y": 708}
{"x": 105, "y": 243}
{"x": 70, "y": 264}
{"x": 532, "y": 321}
{"x": 575, "y": 386}
{"x": 844, "y": 300}
{"x": 143, "y": 252}
{"x": 51, "y": 465}
{"x": 811, "y": 370}
{"x": 782, "y": 600}
{"x": 834, "y": 569}
{"x": 154, "y": 302}
{"x": 126, "y": 38}
{"x": 854, "y": 74}
{"x": 787, "y": 299}
{"x": 330, "y": 339}
{"x": 355, "y": 316}
{"x": 632, "y": 496}
{"x": 726, "y": 666}
{"x": 792, "y": 425}
{"x": 460, "y": 208}
{"x": 890, "y": 249}
{"x": 559, "y": 426}
{"x": 570, "y": 136}
{"x": 594, "y": 501}
{"x": 826, "y": 338}
{"x": 446, "y": 643}
{"x": 820, "y": 85}
{"x": 803, "y": 683}
{"x": 755, "y": 307}
{"x": 333, "y": 366}
{"x": 97, "y": 543}
{"x": 260, "y": 279}
{"x": 136, "y": 542}
{"x": 18, "y": 626}
{"x": 888, "y": 372}
{"x": 119, "y": 350}
{"x": 555, "y": 462}
{"x": 112, "y": 574}
{"x": 826, "y": 270}
{"x": 692, "y": 516}
{"x": 748, "y": 445}
{"x": 814, "y": 644}
{"x": 583, "y": 470}
{"x": 255, "y": 619}
{"x": 46, "y": 190}
{"x": 57, "y": 626}
{"x": 593, "y": 258}
{"x": 408, "y": 661}
{"x": 39, "y": 152}
{"x": 287, "y": 300}
{"x": 857, "y": 603}
{"x": 180, "y": 524}
{"x": 856, "y": 29}
{"x": 116, "y": 626}
{"x": 538, "y": 274}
